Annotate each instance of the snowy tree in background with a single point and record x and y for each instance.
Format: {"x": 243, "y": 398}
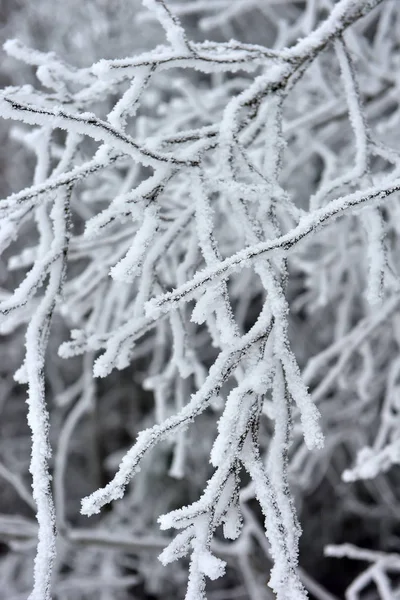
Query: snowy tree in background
{"x": 210, "y": 243}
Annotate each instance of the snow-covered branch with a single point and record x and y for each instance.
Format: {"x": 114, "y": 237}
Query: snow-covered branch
{"x": 188, "y": 203}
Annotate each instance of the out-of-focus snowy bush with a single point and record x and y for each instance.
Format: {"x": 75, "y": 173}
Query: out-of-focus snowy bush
{"x": 200, "y": 300}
